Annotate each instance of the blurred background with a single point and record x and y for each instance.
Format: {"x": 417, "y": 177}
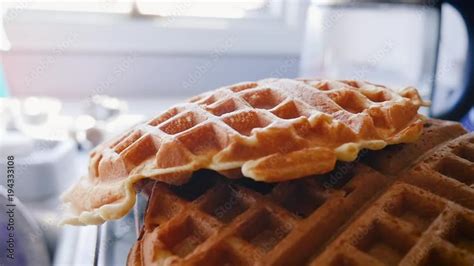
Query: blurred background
{"x": 73, "y": 73}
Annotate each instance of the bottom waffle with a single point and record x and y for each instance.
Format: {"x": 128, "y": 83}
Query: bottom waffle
{"x": 422, "y": 214}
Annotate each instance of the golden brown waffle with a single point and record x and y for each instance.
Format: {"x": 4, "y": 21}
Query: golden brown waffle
{"x": 271, "y": 130}
{"x": 354, "y": 215}
{"x": 393, "y": 159}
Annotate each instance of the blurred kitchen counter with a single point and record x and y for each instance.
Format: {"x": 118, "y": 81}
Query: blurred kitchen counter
{"x": 47, "y": 212}
{"x": 148, "y": 107}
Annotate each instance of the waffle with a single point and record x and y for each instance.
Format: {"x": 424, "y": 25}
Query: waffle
{"x": 354, "y": 215}
{"x": 273, "y": 130}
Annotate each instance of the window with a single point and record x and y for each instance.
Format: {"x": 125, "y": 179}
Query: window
{"x": 103, "y": 6}
{"x": 201, "y": 8}
{"x": 159, "y": 26}
{"x": 184, "y": 8}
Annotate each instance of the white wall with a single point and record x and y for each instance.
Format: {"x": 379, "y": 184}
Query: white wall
{"x": 135, "y": 75}
{"x": 71, "y": 55}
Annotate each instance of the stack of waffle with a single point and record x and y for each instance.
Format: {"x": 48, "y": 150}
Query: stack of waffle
{"x": 284, "y": 172}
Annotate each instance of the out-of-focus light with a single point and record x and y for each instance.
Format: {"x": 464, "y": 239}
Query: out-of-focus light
{"x": 199, "y": 8}
{"x": 35, "y": 105}
{"x": 31, "y": 106}
{"x": 97, "y": 6}
{"x": 84, "y": 122}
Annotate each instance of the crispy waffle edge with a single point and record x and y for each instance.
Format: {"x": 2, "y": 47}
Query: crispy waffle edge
{"x": 107, "y": 192}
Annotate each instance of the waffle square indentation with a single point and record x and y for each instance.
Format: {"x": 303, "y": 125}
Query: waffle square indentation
{"x": 350, "y": 101}
{"x": 204, "y": 138}
{"x": 161, "y": 208}
{"x": 140, "y": 150}
{"x": 466, "y": 152}
{"x": 220, "y": 108}
{"x": 183, "y": 238}
{"x": 418, "y": 211}
{"x": 263, "y": 99}
{"x": 163, "y": 117}
{"x": 288, "y": 110}
{"x": 226, "y": 202}
{"x": 222, "y": 255}
{"x": 264, "y": 230}
{"x": 246, "y": 121}
{"x": 181, "y": 123}
{"x": 384, "y": 244}
{"x": 298, "y": 198}
{"x": 458, "y": 169}
{"x": 462, "y": 234}
{"x": 127, "y": 141}
{"x": 440, "y": 256}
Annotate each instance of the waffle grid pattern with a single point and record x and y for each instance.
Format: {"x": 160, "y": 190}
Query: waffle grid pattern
{"x": 337, "y": 112}
{"x": 273, "y": 130}
{"x": 322, "y": 220}
{"x": 251, "y": 223}
{"x": 406, "y": 226}
{"x": 425, "y": 218}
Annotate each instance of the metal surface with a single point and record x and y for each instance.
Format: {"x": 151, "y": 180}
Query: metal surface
{"x": 117, "y": 237}
{"x": 104, "y": 245}
{"x": 77, "y": 246}
{"x": 429, "y": 3}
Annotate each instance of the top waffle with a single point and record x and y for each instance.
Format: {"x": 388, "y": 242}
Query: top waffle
{"x": 271, "y": 130}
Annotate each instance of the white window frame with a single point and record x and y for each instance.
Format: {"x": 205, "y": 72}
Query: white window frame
{"x": 281, "y": 33}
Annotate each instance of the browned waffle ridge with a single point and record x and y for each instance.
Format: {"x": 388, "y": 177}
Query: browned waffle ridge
{"x": 271, "y": 130}
{"x": 354, "y": 215}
